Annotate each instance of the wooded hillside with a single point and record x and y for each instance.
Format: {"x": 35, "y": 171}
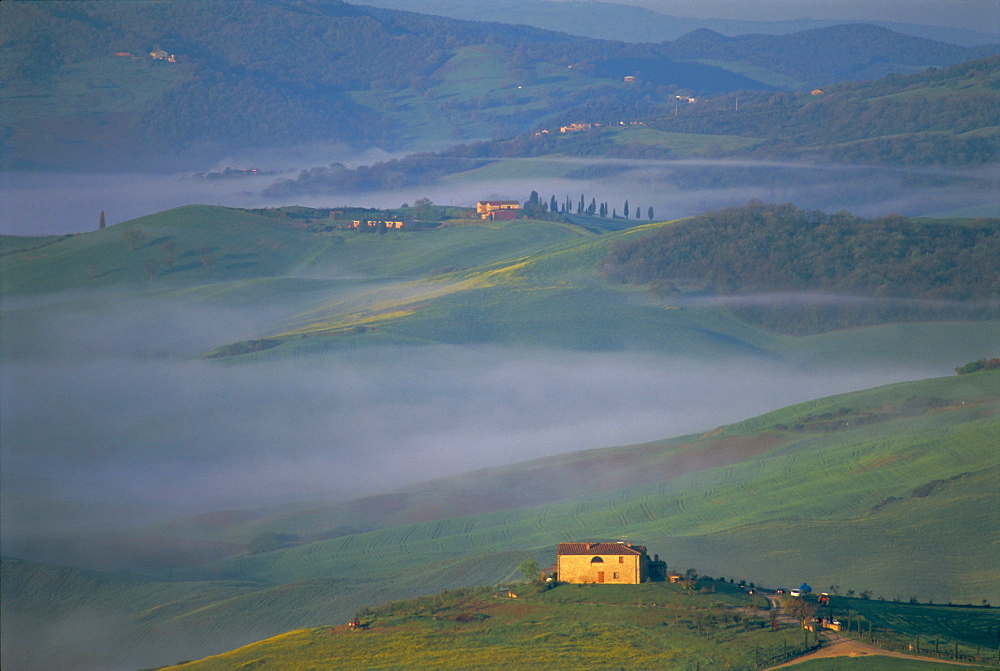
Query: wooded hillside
{"x": 806, "y": 271}
{"x": 81, "y": 88}
{"x": 938, "y": 117}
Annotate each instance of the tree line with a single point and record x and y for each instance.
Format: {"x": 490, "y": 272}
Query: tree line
{"x": 538, "y": 208}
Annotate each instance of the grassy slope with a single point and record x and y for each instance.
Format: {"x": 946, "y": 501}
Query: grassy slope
{"x": 72, "y": 618}
{"x": 478, "y": 71}
{"x": 248, "y": 245}
{"x": 644, "y": 626}
{"x": 598, "y": 627}
{"x": 86, "y": 110}
{"x": 242, "y": 244}
{"x": 880, "y": 505}
{"x": 505, "y": 278}
{"x": 105, "y": 84}
{"x": 757, "y": 72}
{"x": 761, "y": 515}
{"x": 519, "y": 283}
{"x": 550, "y": 297}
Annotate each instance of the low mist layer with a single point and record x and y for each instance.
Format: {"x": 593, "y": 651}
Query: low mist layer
{"x": 116, "y": 406}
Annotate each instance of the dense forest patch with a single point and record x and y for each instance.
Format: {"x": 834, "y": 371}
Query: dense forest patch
{"x": 802, "y": 272}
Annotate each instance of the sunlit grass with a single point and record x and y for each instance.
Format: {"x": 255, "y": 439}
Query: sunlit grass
{"x": 643, "y": 626}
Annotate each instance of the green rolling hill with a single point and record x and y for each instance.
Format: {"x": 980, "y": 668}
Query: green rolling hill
{"x": 602, "y": 626}
{"x": 818, "y": 473}
{"x": 538, "y": 283}
{"x": 884, "y": 491}
{"x": 534, "y": 283}
{"x": 887, "y": 491}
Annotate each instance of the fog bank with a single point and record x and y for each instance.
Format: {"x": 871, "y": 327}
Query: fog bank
{"x": 50, "y": 203}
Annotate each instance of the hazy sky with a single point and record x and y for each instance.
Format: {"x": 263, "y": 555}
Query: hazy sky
{"x": 983, "y": 15}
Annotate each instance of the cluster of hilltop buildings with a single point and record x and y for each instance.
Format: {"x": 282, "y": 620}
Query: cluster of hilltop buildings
{"x": 492, "y": 210}
{"x": 498, "y": 209}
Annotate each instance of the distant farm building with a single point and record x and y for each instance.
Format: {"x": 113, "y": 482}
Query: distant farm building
{"x": 389, "y": 224}
{"x": 498, "y": 209}
{"x": 161, "y": 55}
{"x": 578, "y": 127}
{"x": 618, "y": 563}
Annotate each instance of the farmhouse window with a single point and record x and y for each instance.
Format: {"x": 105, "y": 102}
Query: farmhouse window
{"x": 621, "y": 559}
{"x": 596, "y": 560}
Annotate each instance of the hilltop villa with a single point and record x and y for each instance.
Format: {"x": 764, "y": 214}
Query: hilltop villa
{"x": 618, "y": 563}
{"x": 498, "y": 209}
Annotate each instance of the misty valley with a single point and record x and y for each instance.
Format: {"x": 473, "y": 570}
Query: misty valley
{"x": 461, "y": 370}
{"x": 326, "y": 329}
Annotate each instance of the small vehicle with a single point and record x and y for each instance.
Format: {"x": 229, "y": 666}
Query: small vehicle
{"x": 795, "y": 592}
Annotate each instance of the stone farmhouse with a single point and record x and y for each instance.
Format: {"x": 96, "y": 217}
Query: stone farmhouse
{"x": 498, "y": 209}
{"x": 619, "y": 563}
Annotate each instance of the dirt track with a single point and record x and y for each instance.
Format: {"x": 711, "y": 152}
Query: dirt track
{"x": 846, "y": 647}
{"x": 835, "y": 645}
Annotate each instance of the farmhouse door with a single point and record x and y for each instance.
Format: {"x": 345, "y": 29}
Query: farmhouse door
{"x": 600, "y": 576}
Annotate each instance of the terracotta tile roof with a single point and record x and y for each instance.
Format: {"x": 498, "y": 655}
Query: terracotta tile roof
{"x": 600, "y": 549}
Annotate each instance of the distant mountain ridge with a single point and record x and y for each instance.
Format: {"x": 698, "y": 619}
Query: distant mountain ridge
{"x": 611, "y": 21}
{"x": 821, "y": 56}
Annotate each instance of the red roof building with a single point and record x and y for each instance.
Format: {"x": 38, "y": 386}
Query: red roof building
{"x": 619, "y": 563}
{"x": 498, "y": 209}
